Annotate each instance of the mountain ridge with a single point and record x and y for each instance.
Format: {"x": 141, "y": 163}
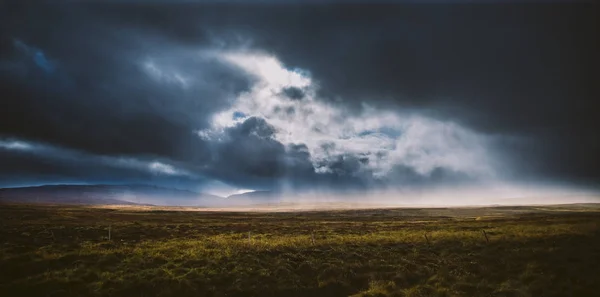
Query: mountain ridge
{"x": 129, "y": 194}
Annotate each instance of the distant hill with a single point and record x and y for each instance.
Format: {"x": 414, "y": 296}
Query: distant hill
{"x": 105, "y": 194}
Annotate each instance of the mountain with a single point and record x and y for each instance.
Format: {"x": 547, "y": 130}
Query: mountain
{"x": 105, "y": 194}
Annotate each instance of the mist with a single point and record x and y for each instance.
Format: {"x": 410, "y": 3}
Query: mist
{"x": 466, "y": 196}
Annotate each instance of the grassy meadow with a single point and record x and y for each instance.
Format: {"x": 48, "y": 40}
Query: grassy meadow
{"x": 501, "y": 251}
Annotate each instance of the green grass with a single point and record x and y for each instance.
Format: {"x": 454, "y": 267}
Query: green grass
{"x": 65, "y": 251}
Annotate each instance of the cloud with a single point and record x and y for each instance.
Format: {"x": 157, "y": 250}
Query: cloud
{"x": 294, "y": 93}
{"x": 248, "y": 154}
{"x": 15, "y": 145}
{"x": 22, "y": 158}
{"x": 36, "y": 55}
{"x": 367, "y": 145}
{"x": 163, "y": 168}
{"x": 130, "y": 93}
{"x": 264, "y": 96}
{"x": 165, "y": 75}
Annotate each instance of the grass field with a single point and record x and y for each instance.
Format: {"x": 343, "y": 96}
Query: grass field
{"x": 525, "y": 251}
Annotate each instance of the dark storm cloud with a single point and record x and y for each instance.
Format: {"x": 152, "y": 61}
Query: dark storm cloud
{"x": 517, "y": 70}
{"x": 26, "y": 163}
{"x": 124, "y": 78}
{"x": 250, "y": 156}
{"x": 131, "y": 92}
{"x": 407, "y": 177}
{"x": 505, "y": 69}
{"x": 294, "y": 93}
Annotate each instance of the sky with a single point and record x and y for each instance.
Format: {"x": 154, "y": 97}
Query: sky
{"x": 227, "y": 97}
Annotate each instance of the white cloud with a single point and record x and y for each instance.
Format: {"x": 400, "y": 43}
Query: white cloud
{"x": 165, "y": 74}
{"x": 271, "y": 72}
{"x": 65, "y": 154}
{"x": 163, "y": 168}
{"x": 15, "y": 145}
{"x": 155, "y": 167}
{"x": 386, "y": 138}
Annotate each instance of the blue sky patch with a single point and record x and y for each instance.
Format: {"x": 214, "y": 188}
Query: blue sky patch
{"x": 238, "y": 115}
{"x": 37, "y": 55}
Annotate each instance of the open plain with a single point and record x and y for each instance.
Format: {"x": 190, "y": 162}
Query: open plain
{"x": 64, "y": 251}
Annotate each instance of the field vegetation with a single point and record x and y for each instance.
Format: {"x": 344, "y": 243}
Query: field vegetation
{"x": 500, "y": 251}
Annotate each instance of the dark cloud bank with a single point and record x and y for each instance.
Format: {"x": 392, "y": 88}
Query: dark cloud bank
{"x": 117, "y": 91}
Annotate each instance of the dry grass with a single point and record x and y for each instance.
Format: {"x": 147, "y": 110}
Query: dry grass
{"x": 532, "y": 251}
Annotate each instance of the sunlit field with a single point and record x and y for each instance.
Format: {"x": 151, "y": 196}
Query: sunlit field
{"x": 502, "y": 251}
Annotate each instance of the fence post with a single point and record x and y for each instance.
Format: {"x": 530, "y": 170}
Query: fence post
{"x": 486, "y": 237}
{"x": 109, "y": 232}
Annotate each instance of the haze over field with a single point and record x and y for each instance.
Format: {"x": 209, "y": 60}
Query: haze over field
{"x": 320, "y": 103}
